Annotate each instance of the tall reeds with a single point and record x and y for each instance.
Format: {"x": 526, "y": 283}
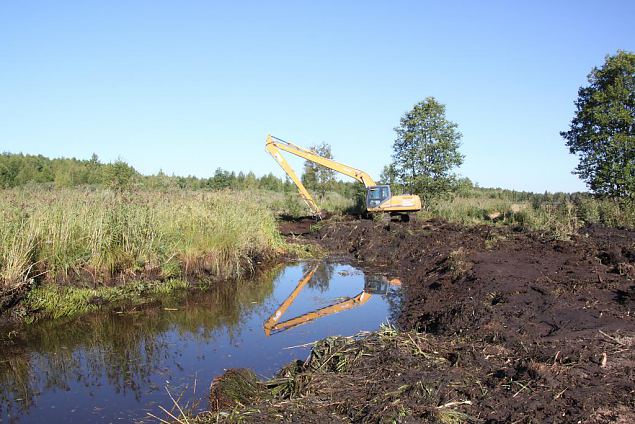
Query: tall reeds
{"x": 67, "y": 234}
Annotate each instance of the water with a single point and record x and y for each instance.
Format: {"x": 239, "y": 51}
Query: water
{"x": 111, "y": 367}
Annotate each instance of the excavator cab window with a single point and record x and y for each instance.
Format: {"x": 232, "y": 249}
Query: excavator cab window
{"x": 376, "y": 285}
{"x": 376, "y": 195}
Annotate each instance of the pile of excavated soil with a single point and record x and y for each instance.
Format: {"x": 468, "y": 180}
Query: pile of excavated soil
{"x": 499, "y": 326}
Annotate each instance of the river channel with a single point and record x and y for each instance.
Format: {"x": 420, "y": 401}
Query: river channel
{"x": 119, "y": 366}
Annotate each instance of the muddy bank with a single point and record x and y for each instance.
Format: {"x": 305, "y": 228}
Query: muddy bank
{"x": 117, "y": 365}
{"x": 499, "y": 326}
{"x": 81, "y": 292}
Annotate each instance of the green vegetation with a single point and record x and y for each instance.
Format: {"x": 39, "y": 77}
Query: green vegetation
{"x": 426, "y": 151}
{"x": 54, "y": 301}
{"x": 70, "y": 250}
{"x": 18, "y": 170}
{"x": 557, "y": 215}
{"x": 602, "y": 132}
{"x": 95, "y": 236}
{"x": 319, "y": 178}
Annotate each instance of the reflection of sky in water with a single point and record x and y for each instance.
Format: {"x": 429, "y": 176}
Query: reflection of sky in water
{"x": 108, "y": 367}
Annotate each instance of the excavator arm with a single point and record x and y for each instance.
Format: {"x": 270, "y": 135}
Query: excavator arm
{"x": 378, "y": 197}
{"x": 274, "y": 145}
{"x": 274, "y": 150}
{"x": 273, "y": 325}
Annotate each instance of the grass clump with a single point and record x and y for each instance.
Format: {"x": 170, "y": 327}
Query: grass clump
{"x": 237, "y": 386}
{"x": 457, "y": 264}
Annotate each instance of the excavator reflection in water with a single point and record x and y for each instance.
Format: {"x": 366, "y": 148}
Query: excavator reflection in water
{"x": 372, "y": 285}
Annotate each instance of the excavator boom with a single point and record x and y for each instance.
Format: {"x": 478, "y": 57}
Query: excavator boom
{"x": 273, "y": 149}
{"x": 274, "y": 143}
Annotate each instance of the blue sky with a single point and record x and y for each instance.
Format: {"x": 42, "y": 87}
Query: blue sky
{"x": 190, "y": 86}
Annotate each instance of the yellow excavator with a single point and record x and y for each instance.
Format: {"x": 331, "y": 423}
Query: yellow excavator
{"x": 372, "y": 286}
{"x": 378, "y": 197}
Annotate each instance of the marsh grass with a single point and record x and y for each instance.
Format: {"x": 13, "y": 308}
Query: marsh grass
{"x": 291, "y": 204}
{"x": 61, "y": 235}
{"x": 557, "y": 216}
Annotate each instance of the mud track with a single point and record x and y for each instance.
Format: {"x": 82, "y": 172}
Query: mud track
{"x": 509, "y": 326}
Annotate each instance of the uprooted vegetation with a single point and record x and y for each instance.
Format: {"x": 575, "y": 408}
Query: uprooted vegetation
{"x": 496, "y": 325}
{"x": 349, "y": 379}
{"x": 392, "y": 376}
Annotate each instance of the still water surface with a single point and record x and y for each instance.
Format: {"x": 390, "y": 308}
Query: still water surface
{"x": 111, "y": 367}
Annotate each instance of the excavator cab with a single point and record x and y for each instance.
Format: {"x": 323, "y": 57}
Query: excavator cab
{"x": 376, "y": 195}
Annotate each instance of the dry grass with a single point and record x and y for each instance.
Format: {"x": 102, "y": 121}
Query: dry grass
{"x": 457, "y": 263}
{"x": 346, "y": 376}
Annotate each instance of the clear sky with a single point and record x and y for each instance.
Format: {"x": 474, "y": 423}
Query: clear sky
{"x": 189, "y": 86}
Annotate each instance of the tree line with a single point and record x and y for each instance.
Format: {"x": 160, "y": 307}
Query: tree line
{"x": 21, "y": 169}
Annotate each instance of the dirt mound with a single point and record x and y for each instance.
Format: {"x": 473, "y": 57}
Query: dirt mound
{"x": 548, "y": 322}
{"x": 291, "y": 226}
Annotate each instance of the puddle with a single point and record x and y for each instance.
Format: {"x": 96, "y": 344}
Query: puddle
{"x": 110, "y": 367}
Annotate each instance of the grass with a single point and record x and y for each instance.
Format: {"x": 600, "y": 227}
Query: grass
{"x": 559, "y": 216}
{"x": 457, "y": 263}
{"x": 290, "y": 203}
{"x": 54, "y": 301}
{"x": 98, "y": 235}
{"x": 95, "y": 238}
{"x": 83, "y": 244}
